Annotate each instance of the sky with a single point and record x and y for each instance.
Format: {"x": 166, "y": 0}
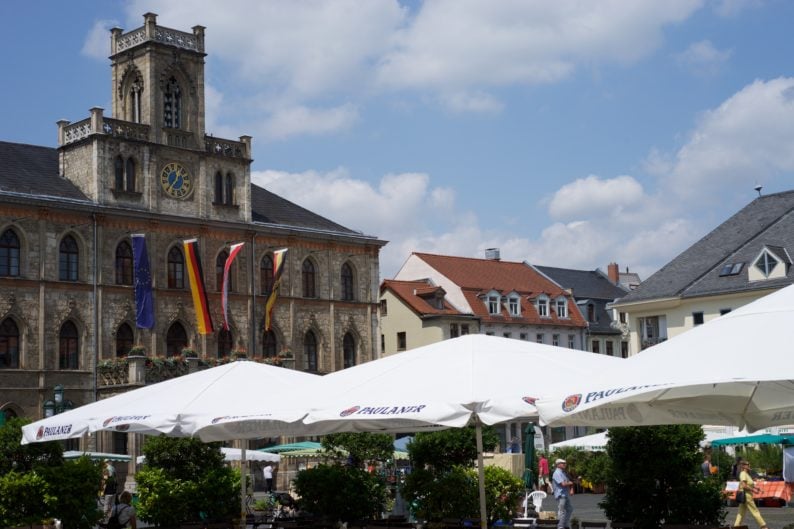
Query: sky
{"x": 565, "y": 133}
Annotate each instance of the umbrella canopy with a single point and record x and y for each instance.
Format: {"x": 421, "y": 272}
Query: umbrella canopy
{"x": 735, "y": 369}
{"x": 755, "y": 439}
{"x": 290, "y": 447}
{"x": 476, "y": 377}
{"x": 235, "y": 454}
{"x": 95, "y": 456}
{"x": 217, "y": 404}
{"x": 596, "y": 442}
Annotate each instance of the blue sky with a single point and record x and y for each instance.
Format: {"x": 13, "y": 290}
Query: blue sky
{"x": 565, "y": 133}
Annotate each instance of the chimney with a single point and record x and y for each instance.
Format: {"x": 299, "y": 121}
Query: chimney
{"x": 492, "y": 254}
{"x": 613, "y": 273}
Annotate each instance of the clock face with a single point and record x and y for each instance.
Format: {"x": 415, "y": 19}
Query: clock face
{"x": 176, "y": 180}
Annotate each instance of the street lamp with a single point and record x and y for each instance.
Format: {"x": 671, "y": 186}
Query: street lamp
{"x": 58, "y": 404}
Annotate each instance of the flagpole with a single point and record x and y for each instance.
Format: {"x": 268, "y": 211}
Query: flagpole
{"x": 252, "y": 308}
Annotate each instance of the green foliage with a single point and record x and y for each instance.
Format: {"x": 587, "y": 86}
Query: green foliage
{"x": 183, "y": 478}
{"x": 576, "y": 460}
{"x": 25, "y": 499}
{"x": 360, "y": 447}
{"x": 340, "y": 493}
{"x": 445, "y": 449}
{"x": 595, "y": 468}
{"x": 766, "y": 459}
{"x": 75, "y": 485}
{"x": 503, "y": 492}
{"x": 655, "y": 478}
{"x": 23, "y": 458}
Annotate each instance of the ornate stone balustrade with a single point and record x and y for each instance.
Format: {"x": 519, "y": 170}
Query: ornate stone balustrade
{"x": 98, "y": 124}
{"x": 221, "y": 147}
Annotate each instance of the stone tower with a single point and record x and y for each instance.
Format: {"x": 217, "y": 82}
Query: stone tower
{"x": 154, "y": 153}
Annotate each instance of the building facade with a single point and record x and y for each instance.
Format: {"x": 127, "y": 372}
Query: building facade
{"x": 745, "y": 258}
{"x": 67, "y": 214}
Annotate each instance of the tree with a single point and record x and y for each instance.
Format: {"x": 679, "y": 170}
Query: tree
{"x": 185, "y": 480}
{"x": 655, "y": 478}
{"x": 445, "y": 449}
{"x": 23, "y": 458}
{"x": 340, "y": 492}
{"x": 361, "y": 447}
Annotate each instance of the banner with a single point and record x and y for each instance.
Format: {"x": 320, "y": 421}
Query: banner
{"x": 144, "y": 304}
{"x": 195, "y": 276}
{"x": 225, "y": 293}
{"x": 279, "y": 256}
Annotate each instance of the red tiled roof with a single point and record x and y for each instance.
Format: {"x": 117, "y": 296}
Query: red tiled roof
{"x": 479, "y": 276}
{"x": 411, "y": 293}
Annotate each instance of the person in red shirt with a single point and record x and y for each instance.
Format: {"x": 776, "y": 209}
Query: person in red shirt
{"x": 543, "y": 473}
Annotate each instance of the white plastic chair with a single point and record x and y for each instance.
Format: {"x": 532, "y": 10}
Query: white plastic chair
{"x": 537, "y": 500}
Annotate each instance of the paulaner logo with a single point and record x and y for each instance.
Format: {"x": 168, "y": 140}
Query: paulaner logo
{"x": 382, "y": 410}
{"x": 50, "y": 431}
{"x": 123, "y": 418}
{"x": 529, "y": 400}
{"x": 571, "y": 402}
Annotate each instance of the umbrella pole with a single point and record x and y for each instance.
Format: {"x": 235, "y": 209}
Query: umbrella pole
{"x": 243, "y": 483}
{"x": 480, "y": 473}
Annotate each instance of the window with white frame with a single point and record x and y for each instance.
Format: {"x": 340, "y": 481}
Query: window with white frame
{"x": 555, "y": 339}
{"x": 543, "y": 306}
{"x": 539, "y": 337}
{"x": 493, "y": 304}
{"x": 514, "y": 305}
{"x": 571, "y": 341}
{"x": 766, "y": 263}
{"x": 561, "y": 307}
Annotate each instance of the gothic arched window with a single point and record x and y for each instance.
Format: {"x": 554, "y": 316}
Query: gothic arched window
{"x": 68, "y": 346}
{"x": 266, "y": 274}
{"x": 176, "y": 268}
{"x": 124, "y": 340}
{"x": 123, "y": 263}
{"x": 118, "y": 171}
{"x": 68, "y": 259}
{"x": 175, "y": 339}
{"x": 307, "y": 275}
{"x": 349, "y": 350}
{"x": 229, "y": 198}
{"x": 9, "y": 254}
{"x": 347, "y": 282}
{"x": 218, "y": 199}
{"x": 172, "y": 103}
{"x": 269, "y": 345}
{"x": 310, "y": 352}
{"x": 129, "y": 173}
{"x": 9, "y": 344}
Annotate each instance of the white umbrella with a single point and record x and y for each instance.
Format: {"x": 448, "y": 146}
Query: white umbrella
{"x": 233, "y": 454}
{"x": 449, "y": 383}
{"x": 733, "y": 370}
{"x": 596, "y": 442}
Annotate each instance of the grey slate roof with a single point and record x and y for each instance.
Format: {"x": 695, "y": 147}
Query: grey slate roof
{"x": 271, "y": 208}
{"x": 767, "y": 221}
{"x": 584, "y": 283}
{"x": 33, "y": 170}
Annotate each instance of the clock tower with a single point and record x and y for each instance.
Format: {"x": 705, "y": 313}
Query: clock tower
{"x": 154, "y": 153}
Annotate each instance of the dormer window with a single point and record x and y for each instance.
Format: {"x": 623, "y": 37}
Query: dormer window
{"x": 766, "y": 264}
{"x": 731, "y": 269}
{"x": 514, "y": 306}
{"x": 561, "y": 307}
{"x": 493, "y": 304}
{"x": 543, "y": 306}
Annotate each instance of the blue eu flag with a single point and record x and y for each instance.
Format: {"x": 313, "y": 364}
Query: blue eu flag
{"x": 144, "y": 305}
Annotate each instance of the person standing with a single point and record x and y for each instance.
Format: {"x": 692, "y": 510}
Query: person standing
{"x": 125, "y": 511}
{"x": 543, "y": 473}
{"x": 747, "y": 484}
{"x": 705, "y": 467}
{"x": 268, "y": 473}
{"x": 108, "y": 488}
{"x": 561, "y": 485}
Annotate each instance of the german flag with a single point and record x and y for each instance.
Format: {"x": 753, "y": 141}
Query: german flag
{"x": 279, "y": 256}
{"x": 195, "y": 276}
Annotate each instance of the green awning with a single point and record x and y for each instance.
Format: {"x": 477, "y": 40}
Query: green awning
{"x": 760, "y": 439}
{"x": 96, "y": 456}
{"x": 290, "y": 447}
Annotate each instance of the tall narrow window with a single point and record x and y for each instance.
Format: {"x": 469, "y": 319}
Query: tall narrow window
{"x": 9, "y": 344}
{"x": 266, "y": 274}
{"x": 9, "y": 254}
{"x": 402, "y": 341}
{"x": 347, "y": 282}
{"x": 176, "y": 268}
{"x": 229, "y": 191}
{"x": 220, "y": 262}
{"x": 129, "y": 174}
{"x": 135, "y": 93}
{"x": 349, "y": 350}
{"x": 493, "y": 304}
{"x": 68, "y": 259}
{"x": 124, "y": 340}
{"x": 591, "y": 312}
{"x": 68, "y": 346}
{"x": 543, "y": 307}
{"x": 224, "y": 343}
{"x": 123, "y": 263}
{"x": 514, "y": 305}
{"x": 118, "y": 171}
{"x": 175, "y": 339}
{"x": 307, "y": 275}
{"x": 269, "y": 345}
{"x": 310, "y": 352}
{"x": 562, "y": 308}
{"x": 172, "y": 101}
{"x": 218, "y": 188}
{"x": 453, "y": 330}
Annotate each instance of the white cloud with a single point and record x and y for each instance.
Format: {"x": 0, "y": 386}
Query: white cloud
{"x": 745, "y": 141}
{"x": 702, "y": 58}
{"x": 592, "y": 197}
{"x": 731, "y": 8}
{"x": 97, "y": 41}
{"x": 302, "y": 120}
